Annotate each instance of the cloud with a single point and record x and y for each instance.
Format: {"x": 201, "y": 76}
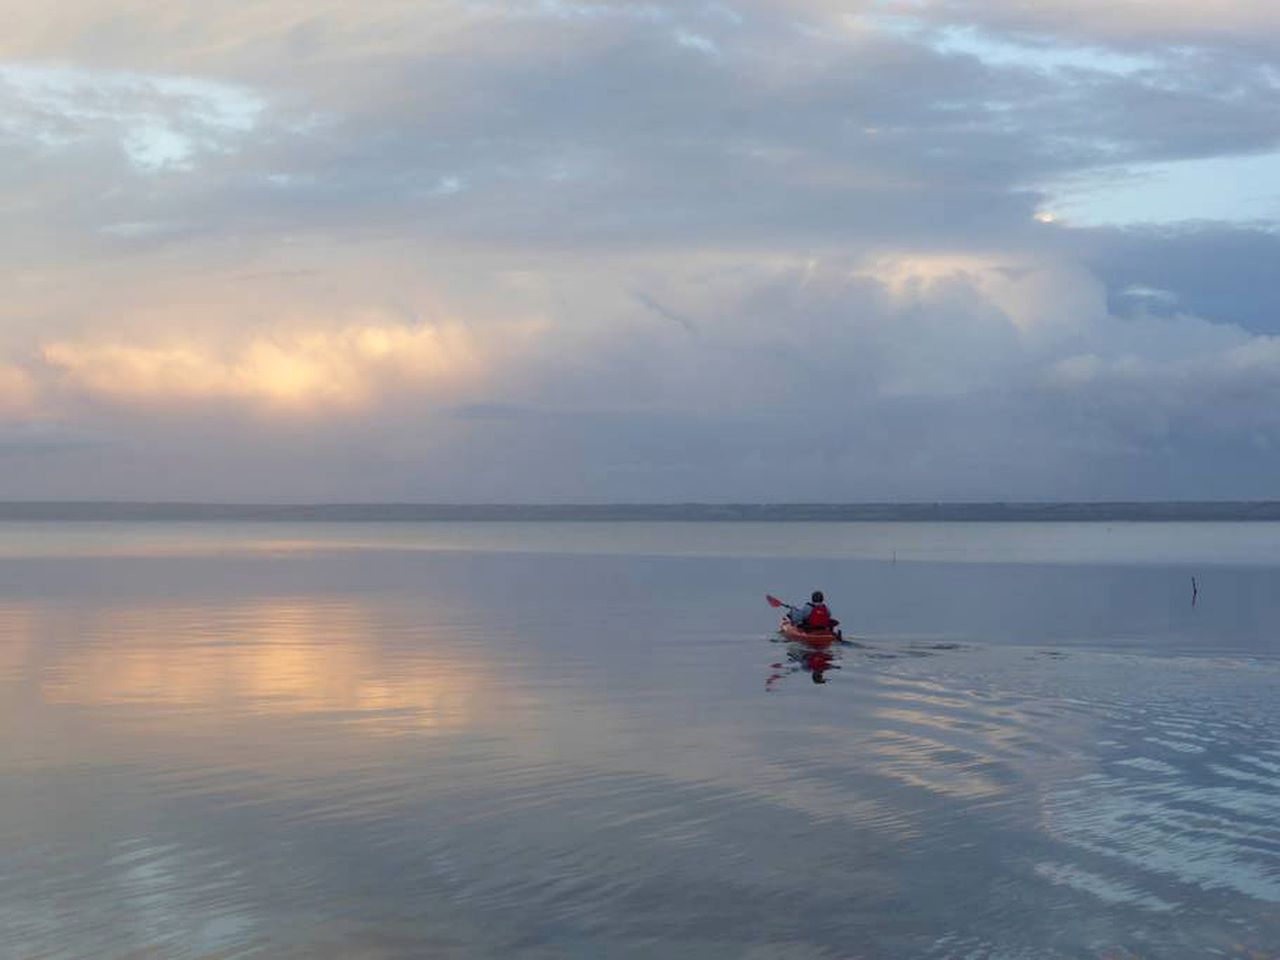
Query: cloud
{"x": 302, "y": 370}
{"x": 1121, "y": 21}
{"x": 580, "y": 125}
{"x": 906, "y": 375}
{"x": 158, "y": 122}
{"x": 577, "y": 249}
{"x": 17, "y": 391}
{"x": 1214, "y": 270}
{"x": 24, "y": 438}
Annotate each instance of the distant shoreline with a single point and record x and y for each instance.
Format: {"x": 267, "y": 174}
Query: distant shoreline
{"x": 1117, "y": 511}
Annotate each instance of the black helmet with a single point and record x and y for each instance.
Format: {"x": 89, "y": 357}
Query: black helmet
{"x": 817, "y": 596}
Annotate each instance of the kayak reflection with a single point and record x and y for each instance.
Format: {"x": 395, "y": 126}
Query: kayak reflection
{"x": 804, "y": 658}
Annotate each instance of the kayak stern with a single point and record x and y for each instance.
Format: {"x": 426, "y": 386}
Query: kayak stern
{"x": 814, "y": 638}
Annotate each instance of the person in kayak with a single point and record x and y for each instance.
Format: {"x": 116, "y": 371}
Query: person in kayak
{"x": 814, "y": 615}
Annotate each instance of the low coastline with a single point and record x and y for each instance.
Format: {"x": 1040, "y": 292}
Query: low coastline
{"x": 1109, "y": 511}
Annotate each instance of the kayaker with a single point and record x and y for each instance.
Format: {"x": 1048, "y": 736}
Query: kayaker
{"x": 814, "y": 615}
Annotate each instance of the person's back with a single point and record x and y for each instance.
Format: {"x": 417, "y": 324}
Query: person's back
{"x": 819, "y": 616}
{"x": 814, "y": 615}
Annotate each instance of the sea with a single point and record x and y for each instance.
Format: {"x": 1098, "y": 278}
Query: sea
{"x": 503, "y": 739}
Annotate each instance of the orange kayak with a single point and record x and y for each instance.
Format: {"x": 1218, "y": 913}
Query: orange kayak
{"x": 814, "y": 638}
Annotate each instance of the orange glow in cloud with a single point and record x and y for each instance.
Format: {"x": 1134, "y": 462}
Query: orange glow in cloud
{"x": 301, "y": 370}
{"x": 907, "y": 274}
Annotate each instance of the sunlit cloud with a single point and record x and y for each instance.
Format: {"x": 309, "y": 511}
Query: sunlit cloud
{"x": 301, "y": 370}
{"x": 908, "y": 274}
{"x": 1036, "y": 296}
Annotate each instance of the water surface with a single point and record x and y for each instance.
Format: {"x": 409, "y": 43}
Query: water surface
{"x": 581, "y": 740}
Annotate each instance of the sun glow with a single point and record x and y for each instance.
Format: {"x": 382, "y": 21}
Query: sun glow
{"x": 299, "y": 370}
{"x": 1039, "y": 298}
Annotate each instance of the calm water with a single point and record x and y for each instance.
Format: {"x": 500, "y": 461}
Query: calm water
{"x": 580, "y": 740}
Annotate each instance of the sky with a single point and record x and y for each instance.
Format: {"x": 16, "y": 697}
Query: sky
{"x": 590, "y": 251}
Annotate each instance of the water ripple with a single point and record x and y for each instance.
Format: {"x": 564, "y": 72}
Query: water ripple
{"x": 415, "y": 770}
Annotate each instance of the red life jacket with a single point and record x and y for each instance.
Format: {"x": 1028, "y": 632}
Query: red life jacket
{"x": 819, "y": 617}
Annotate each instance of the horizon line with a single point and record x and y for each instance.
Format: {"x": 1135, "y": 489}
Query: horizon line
{"x": 831, "y": 512}
{"x": 594, "y": 504}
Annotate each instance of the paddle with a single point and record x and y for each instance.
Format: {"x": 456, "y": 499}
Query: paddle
{"x": 775, "y": 602}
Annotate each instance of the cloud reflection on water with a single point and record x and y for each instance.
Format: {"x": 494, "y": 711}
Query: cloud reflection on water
{"x": 264, "y": 658}
{"x": 400, "y": 753}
